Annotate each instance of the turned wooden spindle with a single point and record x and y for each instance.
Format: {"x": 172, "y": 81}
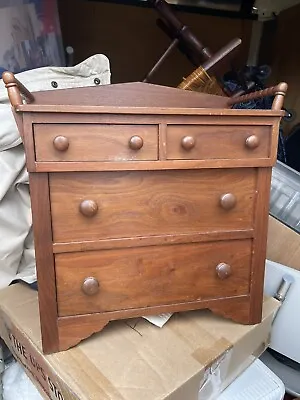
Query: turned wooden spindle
{"x": 278, "y": 91}
{"x": 15, "y": 89}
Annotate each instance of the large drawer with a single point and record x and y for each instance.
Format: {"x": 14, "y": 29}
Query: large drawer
{"x": 201, "y": 142}
{"x": 111, "y": 280}
{"x": 95, "y": 142}
{"x": 102, "y": 205}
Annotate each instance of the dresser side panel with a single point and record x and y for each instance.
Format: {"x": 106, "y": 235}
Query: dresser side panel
{"x": 260, "y": 242}
{"x": 41, "y": 214}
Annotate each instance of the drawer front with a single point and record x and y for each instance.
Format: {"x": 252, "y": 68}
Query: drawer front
{"x": 199, "y": 142}
{"x": 111, "y": 280}
{"x": 95, "y": 142}
{"x": 103, "y": 205}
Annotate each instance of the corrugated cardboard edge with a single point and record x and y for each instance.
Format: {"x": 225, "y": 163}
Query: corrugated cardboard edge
{"x": 283, "y": 244}
{"x": 237, "y": 365}
{"x": 48, "y": 382}
{"x": 36, "y": 366}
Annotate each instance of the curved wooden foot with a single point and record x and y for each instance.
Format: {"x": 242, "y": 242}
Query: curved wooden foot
{"x": 72, "y": 330}
{"x": 239, "y": 310}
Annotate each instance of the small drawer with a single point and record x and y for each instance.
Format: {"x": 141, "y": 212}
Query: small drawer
{"x": 112, "y": 280}
{"x": 200, "y": 142}
{"x": 104, "y": 205}
{"x": 95, "y": 142}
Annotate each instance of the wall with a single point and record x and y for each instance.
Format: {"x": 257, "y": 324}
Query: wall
{"x": 281, "y": 49}
{"x": 128, "y": 35}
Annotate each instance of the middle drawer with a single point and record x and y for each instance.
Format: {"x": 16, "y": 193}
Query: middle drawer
{"x": 102, "y": 205}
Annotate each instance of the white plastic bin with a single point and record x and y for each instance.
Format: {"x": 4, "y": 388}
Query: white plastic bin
{"x": 285, "y": 195}
{"x": 257, "y": 382}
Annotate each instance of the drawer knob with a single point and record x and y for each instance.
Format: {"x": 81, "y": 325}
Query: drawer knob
{"x": 188, "y": 142}
{"x": 228, "y": 201}
{"x": 90, "y": 286}
{"x": 252, "y": 142}
{"x": 136, "y": 142}
{"x": 223, "y": 271}
{"x": 61, "y": 143}
{"x": 88, "y": 208}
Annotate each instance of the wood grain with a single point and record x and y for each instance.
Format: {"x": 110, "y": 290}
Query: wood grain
{"x": 260, "y": 243}
{"x": 28, "y": 142}
{"x": 150, "y": 165}
{"x": 70, "y": 332}
{"x": 149, "y": 203}
{"x": 167, "y": 116}
{"x": 140, "y": 241}
{"x": 232, "y": 140}
{"x": 150, "y": 276}
{"x": 41, "y": 214}
{"x": 89, "y": 142}
{"x": 275, "y": 138}
{"x": 239, "y": 310}
{"x": 162, "y": 142}
{"x": 145, "y": 224}
{"x": 137, "y": 94}
{"x": 235, "y": 308}
{"x": 41, "y": 108}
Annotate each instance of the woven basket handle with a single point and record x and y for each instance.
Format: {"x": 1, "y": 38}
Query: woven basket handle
{"x": 15, "y": 89}
{"x": 278, "y": 91}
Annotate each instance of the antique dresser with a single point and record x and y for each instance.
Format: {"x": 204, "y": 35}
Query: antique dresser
{"x": 145, "y": 199}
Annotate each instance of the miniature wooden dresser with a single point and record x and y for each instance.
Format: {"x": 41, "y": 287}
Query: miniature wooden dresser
{"x": 145, "y": 199}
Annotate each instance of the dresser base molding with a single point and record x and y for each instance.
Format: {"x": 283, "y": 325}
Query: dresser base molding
{"x": 74, "y": 329}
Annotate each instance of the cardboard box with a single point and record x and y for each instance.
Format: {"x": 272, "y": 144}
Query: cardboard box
{"x": 283, "y": 244}
{"x": 194, "y": 356}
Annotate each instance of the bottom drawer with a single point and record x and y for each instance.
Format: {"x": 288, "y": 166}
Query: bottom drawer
{"x": 110, "y": 280}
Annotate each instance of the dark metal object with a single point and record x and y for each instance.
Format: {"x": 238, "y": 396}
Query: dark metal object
{"x": 283, "y": 288}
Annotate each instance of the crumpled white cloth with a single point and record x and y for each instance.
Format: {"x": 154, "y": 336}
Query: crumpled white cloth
{"x": 17, "y": 259}
{"x": 17, "y": 385}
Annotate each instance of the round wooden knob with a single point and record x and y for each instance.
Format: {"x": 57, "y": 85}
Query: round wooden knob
{"x": 228, "y": 201}
{"x": 61, "y": 143}
{"x": 136, "y": 143}
{"x": 90, "y": 286}
{"x": 223, "y": 270}
{"x": 188, "y": 142}
{"x": 252, "y": 142}
{"x": 88, "y": 208}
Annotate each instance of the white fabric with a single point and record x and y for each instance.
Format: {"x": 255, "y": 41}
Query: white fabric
{"x": 16, "y": 239}
{"x": 17, "y": 385}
